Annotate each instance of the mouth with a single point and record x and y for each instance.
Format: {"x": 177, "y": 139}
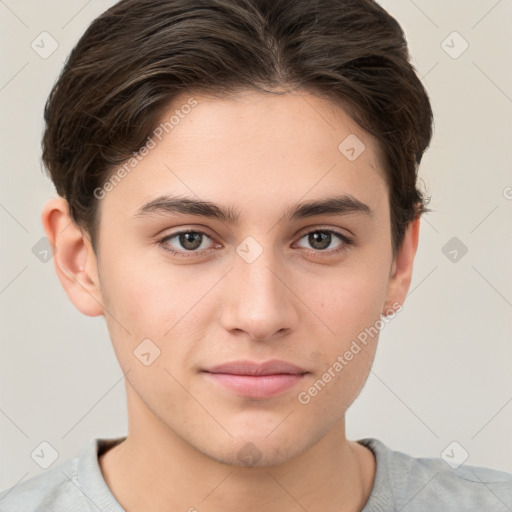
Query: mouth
{"x": 256, "y": 380}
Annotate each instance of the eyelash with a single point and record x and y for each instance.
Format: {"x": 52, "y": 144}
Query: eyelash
{"x": 187, "y": 254}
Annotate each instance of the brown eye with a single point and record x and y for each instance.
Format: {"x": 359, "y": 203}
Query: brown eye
{"x": 184, "y": 242}
{"x": 321, "y": 240}
{"x": 190, "y": 241}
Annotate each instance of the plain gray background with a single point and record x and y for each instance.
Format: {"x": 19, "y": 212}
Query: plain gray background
{"x": 443, "y": 368}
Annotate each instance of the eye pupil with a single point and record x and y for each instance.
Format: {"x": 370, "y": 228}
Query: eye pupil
{"x": 189, "y": 240}
{"x": 322, "y": 237}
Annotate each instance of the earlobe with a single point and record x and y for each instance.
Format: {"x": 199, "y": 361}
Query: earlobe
{"x": 74, "y": 260}
{"x": 402, "y": 267}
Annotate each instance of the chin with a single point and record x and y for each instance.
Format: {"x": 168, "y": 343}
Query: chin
{"x": 246, "y": 452}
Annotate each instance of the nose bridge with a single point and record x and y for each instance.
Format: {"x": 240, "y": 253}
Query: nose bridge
{"x": 259, "y": 303}
{"x": 255, "y": 266}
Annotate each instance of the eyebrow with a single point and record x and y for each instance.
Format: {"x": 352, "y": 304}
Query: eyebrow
{"x": 337, "y": 205}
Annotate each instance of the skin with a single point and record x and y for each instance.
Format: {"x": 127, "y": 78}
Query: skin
{"x": 261, "y": 154}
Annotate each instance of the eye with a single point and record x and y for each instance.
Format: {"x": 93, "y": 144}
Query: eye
{"x": 192, "y": 243}
{"x": 185, "y": 242}
{"x": 321, "y": 239}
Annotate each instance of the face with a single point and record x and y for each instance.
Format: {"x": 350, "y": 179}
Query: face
{"x": 260, "y": 279}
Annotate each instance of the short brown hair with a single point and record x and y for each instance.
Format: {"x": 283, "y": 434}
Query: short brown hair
{"x": 139, "y": 55}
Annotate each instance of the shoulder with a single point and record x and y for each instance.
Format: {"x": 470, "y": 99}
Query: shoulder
{"x": 75, "y": 485}
{"x": 422, "y": 484}
{"x": 56, "y": 488}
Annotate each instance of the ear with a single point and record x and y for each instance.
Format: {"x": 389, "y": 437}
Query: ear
{"x": 401, "y": 269}
{"x": 73, "y": 258}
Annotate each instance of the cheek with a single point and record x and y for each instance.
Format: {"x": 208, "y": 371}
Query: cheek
{"x": 134, "y": 308}
{"x": 350, "y": 304}
{"x": 352, "y": 300}
{"x": 156, "y": 302}
{"x": 341, "y": 383}
{"x": 146, "y": 296}
{"x": 344, "y": 361}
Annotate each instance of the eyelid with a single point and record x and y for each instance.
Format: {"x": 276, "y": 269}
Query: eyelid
{"x": 346, "y": 242}
{"x": 345, "y": 239}
{"x": 326, "y": 229}
{"x": 174, "y": 234}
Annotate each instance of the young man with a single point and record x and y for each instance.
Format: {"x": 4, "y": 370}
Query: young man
{"x": 237, "y": 196}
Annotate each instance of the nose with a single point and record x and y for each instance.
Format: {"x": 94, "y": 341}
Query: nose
{"x": 257, "y": 299}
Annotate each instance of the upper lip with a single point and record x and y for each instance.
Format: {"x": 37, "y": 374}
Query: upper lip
{"x": 272, "y": 367}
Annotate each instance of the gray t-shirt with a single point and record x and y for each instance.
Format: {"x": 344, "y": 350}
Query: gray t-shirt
{"x": 402, "y": 483}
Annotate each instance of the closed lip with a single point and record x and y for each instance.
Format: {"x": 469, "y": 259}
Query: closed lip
{"x": 273, "y": 367}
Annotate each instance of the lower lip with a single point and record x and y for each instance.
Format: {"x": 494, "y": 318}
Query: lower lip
{"x": 256, "y": 386}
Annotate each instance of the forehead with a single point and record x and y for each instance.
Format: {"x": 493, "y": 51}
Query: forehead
{"x": 277, "y": 124}
{"x": 272, "y": 148}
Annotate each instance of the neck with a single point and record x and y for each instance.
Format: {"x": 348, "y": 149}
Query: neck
{"x": 162, "y": 472}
